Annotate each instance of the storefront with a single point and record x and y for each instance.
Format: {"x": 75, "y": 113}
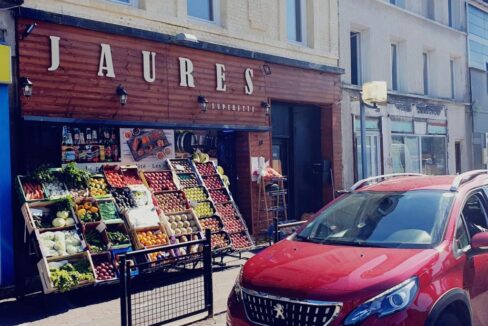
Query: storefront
{"x": 109, "y": 95}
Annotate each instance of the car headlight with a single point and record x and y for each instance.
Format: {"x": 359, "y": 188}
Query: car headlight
{"x": 387, "y": 303}
{"x": 237, "y": 287}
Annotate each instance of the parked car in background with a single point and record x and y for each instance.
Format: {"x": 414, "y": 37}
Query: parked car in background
{"x": 397, "y": 249}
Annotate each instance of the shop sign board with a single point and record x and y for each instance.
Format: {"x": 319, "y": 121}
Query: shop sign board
{"x": 5, "y": 65}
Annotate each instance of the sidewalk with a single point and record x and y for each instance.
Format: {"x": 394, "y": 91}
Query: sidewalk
{"x": 100, "y": 306}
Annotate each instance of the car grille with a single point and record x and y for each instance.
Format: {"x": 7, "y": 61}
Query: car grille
{"x": 266, "y": 309}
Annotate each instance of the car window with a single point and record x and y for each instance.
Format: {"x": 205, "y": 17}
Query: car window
{"x": 461, "y": 238}
{"x": 396, "y": 219}
{"x": 475, "y": 214}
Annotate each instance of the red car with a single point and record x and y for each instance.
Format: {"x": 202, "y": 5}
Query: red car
{"x": 395, "y": 250}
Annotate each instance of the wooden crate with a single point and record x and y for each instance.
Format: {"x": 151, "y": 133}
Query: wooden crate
{"x": 20, "y": 189}
{"x": 121, "y": 227}
{"x": 29, "y": 219}
{"x": 103, "y": 200}
{"x": 38, "y": 233}
{"x": 45, "y": 273}
{"x": 165, "y": 218}
{"x": 138, "y": 244}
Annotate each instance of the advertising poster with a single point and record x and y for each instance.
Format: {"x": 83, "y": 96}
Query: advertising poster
{"x": 146, "y": 148}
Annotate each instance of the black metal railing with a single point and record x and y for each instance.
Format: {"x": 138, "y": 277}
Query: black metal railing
{"x": 166, "y": 284}
{"x": 282, "y": 230}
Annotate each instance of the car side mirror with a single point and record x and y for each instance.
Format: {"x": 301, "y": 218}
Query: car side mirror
{"x": 479, "y": 240}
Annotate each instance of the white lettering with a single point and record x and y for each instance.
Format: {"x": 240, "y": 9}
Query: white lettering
{"x": 220, "y": 70}
{"x": 54, "y": 53}
{"x": 106, "y": 64}
{"x": 186, "y": 73}
{"x": 249, "y": 88}
{"x": 149, "y": 64}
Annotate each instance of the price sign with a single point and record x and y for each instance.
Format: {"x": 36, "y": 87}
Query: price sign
{"x": 101, "y": 227}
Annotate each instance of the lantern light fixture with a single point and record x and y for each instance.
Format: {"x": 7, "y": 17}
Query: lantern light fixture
{"x": 266, "y": 106}
{"x": 26, "y": 85}
{"x": 203, "y": 102}
{"x": 122, "y": 93}
{"x": 266, "y": 69}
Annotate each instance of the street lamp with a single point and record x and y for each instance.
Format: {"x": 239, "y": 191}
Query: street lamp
{"x": 373, "y": 93}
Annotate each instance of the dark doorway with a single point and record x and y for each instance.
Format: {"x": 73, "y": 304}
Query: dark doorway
{"x": 297, "y": 146}
{"x": 457, "y": 153}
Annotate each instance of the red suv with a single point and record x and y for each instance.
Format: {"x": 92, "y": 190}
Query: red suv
{"x": 395, "y": 250}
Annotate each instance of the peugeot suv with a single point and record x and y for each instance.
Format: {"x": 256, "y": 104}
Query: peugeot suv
{"x": 394, "y": 250}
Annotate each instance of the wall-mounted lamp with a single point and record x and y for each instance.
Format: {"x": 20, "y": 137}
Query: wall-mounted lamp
{"x": 266, "y": 106}
{"x": 203, "y": 102}
{"x": 267, "y": 69}
{"x": 26, "y": 85}
{"x": 28, "y": 30}
{"x": 122, "y": 93}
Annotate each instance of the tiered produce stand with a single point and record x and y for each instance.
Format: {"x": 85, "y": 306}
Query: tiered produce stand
{"x": 82, "y": 223}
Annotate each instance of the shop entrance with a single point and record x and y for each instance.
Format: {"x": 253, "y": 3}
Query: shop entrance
{"x": 297, "y": 149}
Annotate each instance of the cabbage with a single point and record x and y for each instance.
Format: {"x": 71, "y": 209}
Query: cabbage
{"x": 59, "y": 222}
{"x": 47, "y": 235}
{"x": 70, "y": 222}
{"x": 72, "y": 249}
{"x": 62, "y": 214}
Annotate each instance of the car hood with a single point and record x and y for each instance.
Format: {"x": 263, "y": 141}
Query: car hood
{"x": 314, "y": 271}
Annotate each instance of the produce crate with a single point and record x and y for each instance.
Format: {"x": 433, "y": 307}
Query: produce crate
{"x": 27, "y": 212}
{"x": 206, "y": 169}
{"x": 188, "y": 249}
{"x": 55, "y": 189}
{"x": 96, "y": 230}
{"x": 233, "y": 224}
{"x": 118, "y": 227}
{"x": 241, "y": 241}
{"x": 214, "y": 223}
{"x": 142, "y": 196}
{"x": 98, "y": 186}
{"x": 45, "y": 273}
{"x": 24, "y": 182}
{"x": 87, "y": 210}
{"x": 222, "y": 237}
{"x": 130, "y": 174}
{"x": 39, "y": 235}
{"x": 188, "y": 180}
{"x": 219, "y": 196}
{"x": 177, "y": 224}
{"x": 116, "y": 257}
{"x": 113, "y": 175}
{"x": 142, "y": 217}
{"x": 98, "y": 260}
{"x": 159, "y": 181}
{"x": 181, "y": 165}
{"x": 123, "y": 198}
{"x": 172, "y": 201}
{"x": 204, "y": 209}
{"x": 196, "y": 194}
{"x": 156, "y": 230}
{"x": 213, "y": 182}
{"x": 107, "y": 215}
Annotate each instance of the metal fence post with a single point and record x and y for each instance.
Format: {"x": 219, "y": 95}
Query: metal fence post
{"x": 207, "y": 272}
{"x": 275, "y": 230}
{"x": 123, "y": 292}
{"x": 128, "y": 291}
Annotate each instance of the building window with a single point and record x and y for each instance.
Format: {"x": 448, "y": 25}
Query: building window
{"x": 394, "y": 66}
{"x": 450, "y": 13}
{"x": 355, "y": 58}
{"x": 425, "y": 69}
{"x": 204, "y": 9}
{"x": 453, "y": 79}
{"x": 126, "y": 2}
{"x": 429, "y": 9}
{"x": 399, "y": 3}
{"x": 296, "y": 20}
{"x": 373, "y": 147}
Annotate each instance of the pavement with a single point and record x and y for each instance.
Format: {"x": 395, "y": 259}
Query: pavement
{"x": 101, "y": 305}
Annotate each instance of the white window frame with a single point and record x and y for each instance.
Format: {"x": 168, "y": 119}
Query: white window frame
{"x": 131, "y": 3}
{"x": 303, "y": 23}
{"x": 374, "y": 137}
{"x": 216, "y": 14}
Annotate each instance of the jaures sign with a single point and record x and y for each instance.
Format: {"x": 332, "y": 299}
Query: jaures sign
{"x": 163, "y": 81}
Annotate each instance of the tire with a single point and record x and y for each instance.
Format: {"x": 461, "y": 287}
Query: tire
{"x": 448, "y": 319}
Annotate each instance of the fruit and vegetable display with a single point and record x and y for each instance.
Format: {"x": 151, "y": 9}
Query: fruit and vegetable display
{"x": 114, "y": 177}
{"x": 98, "y": 187}
{"x": 123, "y": 198}
{"x": 52, "y": 215}
{"x": 191, "y": 249}
{"x": 142, "y": 217}
{"x": 55, "y": 189}
{"x": 105, "y": 271}
{"x": 67, "y": 275}
{"x": 142, "y": 197}
{"x": 199, "y": 157}
{"x": 87, "y": 211}
{"x": 181, "y": 166}
{"x": 172, "y": 202}
{"x": 240, "y": 241}
{"x": 159, "y": 255}
{"x": 212, "y": 223}
{"x": 32, "y": 189}
{"x": 226, "y": 210}
{"x": 184, "y": 223}
{"x": 131, "y": 177}
{"x": 188, "y": 180}
{"x": 117, "y": 238}
{"x": 108, "y": 211}
{"x": 75, "y": 179}
{"x": 97, "y": 241}
{"x": 233, "y": 224}
{"x": 213, "y": 182}
{"x": 160, "y": 181}
{"x": 219, "y": 196}
{"x": 152, "y": 238}
{"x": 196, "y": 194}
{"x": 220, "y": 240}
{"x": 205, "y": 169}
{"x": 60, "y": 243}
{"x": 204, "y": 209}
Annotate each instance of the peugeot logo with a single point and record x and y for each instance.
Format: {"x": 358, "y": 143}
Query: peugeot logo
{"x": 279, "y": 311}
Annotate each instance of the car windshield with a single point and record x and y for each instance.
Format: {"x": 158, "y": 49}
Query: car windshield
{"x": 411, "y": 219}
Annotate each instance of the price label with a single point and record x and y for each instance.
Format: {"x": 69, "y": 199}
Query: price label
{"x": 193, "y": 203}
{"x": 179, "y": 167}
{"x": 101, "y": 227}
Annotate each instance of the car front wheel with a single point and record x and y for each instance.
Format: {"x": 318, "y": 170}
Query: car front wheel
{"x": 448, "y": 319}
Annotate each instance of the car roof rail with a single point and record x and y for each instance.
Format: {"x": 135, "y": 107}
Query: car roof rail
{"x": 465, "y": 177}
{"x": 363, "y": 182}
